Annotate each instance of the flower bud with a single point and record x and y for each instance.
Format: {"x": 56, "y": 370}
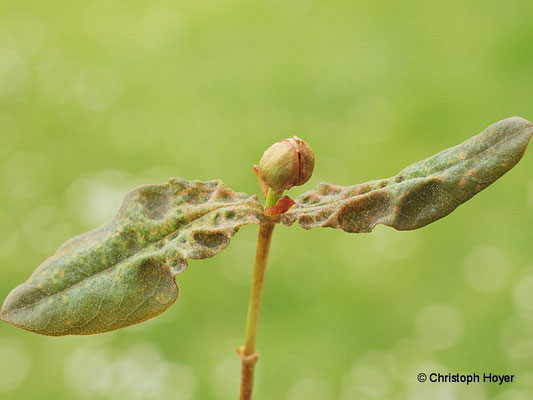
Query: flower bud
{"x": 287, "y": 163}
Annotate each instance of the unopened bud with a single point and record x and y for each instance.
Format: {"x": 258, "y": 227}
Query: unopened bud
{"x": 287, "y": 163}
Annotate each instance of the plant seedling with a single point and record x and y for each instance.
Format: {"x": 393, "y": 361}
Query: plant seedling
{"x": 124, "y": 272}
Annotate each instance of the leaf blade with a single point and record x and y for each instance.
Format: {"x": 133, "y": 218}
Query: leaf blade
{"x": 124, "y": 272}
{"x": 421, "y": 193}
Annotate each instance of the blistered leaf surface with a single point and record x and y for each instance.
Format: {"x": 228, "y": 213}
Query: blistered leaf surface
{"x": 124, "y": 272}
{"x": 421, "y": 193}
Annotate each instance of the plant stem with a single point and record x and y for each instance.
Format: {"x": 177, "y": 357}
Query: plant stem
{"x": 247, "y": 352}
{"x": 272, "y": 198}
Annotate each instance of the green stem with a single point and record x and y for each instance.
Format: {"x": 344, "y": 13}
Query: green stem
{"x": 247, "y": 352}
{"x": 272, "y": 198}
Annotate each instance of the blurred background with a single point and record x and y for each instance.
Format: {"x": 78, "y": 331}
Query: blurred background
{"x": 99, "y": 96}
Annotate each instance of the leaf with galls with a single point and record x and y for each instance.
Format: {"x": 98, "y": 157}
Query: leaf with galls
{"x": 124, "y": 272}
{"x": 421, "y": 193}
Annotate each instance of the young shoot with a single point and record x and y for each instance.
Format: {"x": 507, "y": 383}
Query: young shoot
{"x": 125, "y": 271}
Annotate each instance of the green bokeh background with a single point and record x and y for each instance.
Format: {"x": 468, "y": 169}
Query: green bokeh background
{"x": 97, "y": 97}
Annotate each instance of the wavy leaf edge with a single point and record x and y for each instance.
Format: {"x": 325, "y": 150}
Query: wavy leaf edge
{"x": 420, "y": 193}
{"x": 123, "y": 272}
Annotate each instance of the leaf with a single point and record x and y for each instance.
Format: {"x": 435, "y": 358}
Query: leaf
{"x": 421, "y": 193}
{"x": 124, "y": 272}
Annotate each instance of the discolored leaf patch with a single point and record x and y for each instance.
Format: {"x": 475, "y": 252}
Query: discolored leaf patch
{"x": 421, "y": 193}
{"x": 124, "y": 272}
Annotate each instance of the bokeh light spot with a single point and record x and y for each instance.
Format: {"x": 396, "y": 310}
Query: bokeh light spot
{"x": 370, "y": 378}
{"x": 487, "y": 269}
{"x": 439, "y": 326}
{"x": 13, "y": 72}
{"x": 309, "y": 389}
{"x": 139, "y": 373}
{"x": 14, "y": 365}
{"x": 159, "y": 28}
{"x": 523, "y": 295}
{"x": 96, "y": 198}
{"x": 225, "y": 378}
